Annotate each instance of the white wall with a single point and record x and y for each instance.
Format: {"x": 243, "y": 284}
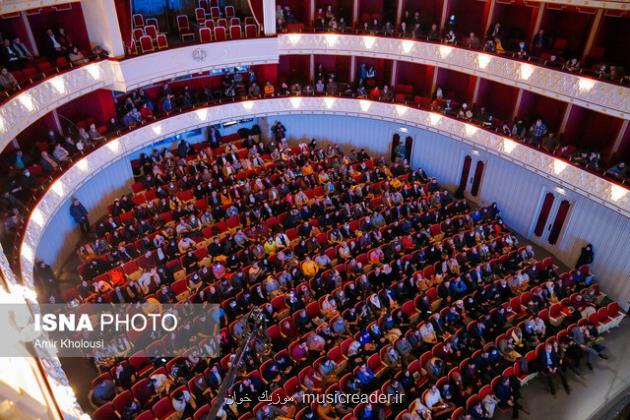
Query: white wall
{"x": 372, "y": 135}
{"x": 61, "y": 236}
{"x": 102, "y": 25}
{"x": 516, "y": 190}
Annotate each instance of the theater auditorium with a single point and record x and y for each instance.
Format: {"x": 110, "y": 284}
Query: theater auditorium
{"x": 334, "y": 209}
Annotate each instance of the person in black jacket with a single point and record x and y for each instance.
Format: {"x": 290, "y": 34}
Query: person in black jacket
{"x": 550, "y": 366}
{"x": 508, "y": 396}
{"x": 80, "y": 215}
{"x": 586, "y": 256}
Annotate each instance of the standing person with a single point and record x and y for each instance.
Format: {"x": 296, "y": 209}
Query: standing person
{"x": 80, "y": 215}
{"x": 586, "y": 256}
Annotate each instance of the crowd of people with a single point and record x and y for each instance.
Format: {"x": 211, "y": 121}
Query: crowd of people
{"x": 497, "y": 40}
{"x": 360, "y": 268}
{"x": 31, "y": 169}
{"x": 16, "y": 56}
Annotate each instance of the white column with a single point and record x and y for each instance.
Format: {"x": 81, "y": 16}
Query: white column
{"x": 399, "y": 12}
{"x": 539, "y": 16}
{"x": 29, "y": 33}
{"x": 269, "y": 17}
{"x": 517, "y": 106}
{"x": 355, "y": 14}
{"x": 620, "y": 134}
{"x": 593, "y": 33}
{"x": 565, "y": 118}
{"x": 475, "y": 92}
{"x": 353, "y": 70}
{"x": 101, "y": 22}
{"x": 392, "y": 81}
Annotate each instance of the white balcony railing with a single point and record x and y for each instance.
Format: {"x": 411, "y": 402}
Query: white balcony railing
{"x": 589, "y": 185}
{"x": 584, "y": 91}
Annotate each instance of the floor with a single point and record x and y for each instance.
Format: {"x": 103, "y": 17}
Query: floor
{"x": 592, "y": 394}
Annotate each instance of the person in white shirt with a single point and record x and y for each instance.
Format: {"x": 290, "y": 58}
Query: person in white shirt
{"x": 60, "y": 154}
{"x": 147, "y": 278}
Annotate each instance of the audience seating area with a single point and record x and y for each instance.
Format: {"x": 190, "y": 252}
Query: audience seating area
{"x": 395, "y": 245}
{"x": 210, "y": 23}
{"x": 543, "y": 49}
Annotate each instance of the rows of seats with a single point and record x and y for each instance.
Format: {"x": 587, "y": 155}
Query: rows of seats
{"x": 212, "y": 24}
{"x": 280, "y": 335}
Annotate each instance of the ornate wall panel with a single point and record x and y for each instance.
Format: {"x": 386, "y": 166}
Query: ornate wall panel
{"x": 590, "y": 93}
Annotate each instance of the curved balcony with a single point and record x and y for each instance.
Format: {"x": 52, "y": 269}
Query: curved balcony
{"x": 26, "y": 107}
{"x": 570, "y": 177}
{"x": 584, "y": 91}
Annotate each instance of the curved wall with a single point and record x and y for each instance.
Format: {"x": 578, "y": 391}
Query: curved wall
{"x": 604, "y": 209}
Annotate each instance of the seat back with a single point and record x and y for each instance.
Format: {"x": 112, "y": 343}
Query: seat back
{"x": 151, "y": 30}
{"x": 182, "y": 23}
{"x": 138, "y": 20}
{"x": 219, "y": 33}
{"x": 146, "y": 43}
{"x": 162, "y": 41}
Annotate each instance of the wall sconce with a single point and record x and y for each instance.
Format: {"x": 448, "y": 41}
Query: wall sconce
{"x": 59, "y": 84}
{"x": 114, "y": 146}
{"x": 294, "y": 38}
{"x": 296, "y": 102}
{"x": 58, "y": 187}
{"x": 248, "y": 105}
{"x": 365, "y": 105}
{"x": 407, "y": 45}
{"x": 559, "y": 166}
{"x": 508, "y": 145}
{"x": 37, "y": 217}
{"x": 331, "y": 39}
{"x": 434, "y": 119}
{"x": 94, "y": 70}
{"x": 202, "y": 114}
{"x": 526, "y": 71}
{"x": 329, "y": 101}
{"x": 27, "y": 252}
{"x": 585, "y": 84}
{"x": 471, "y": 129}
{"x": 483, "y": 60}
{"x": 445, "y": 51}
{"x": 27, "y": 101}
{"x": 401, "y": 109}
{"x": 157, "y": 129}
{"x": 617, "y": 192}
{"x": 369, "y": 41}
{"x": 83, "y": 165}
